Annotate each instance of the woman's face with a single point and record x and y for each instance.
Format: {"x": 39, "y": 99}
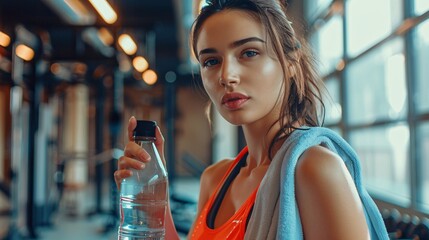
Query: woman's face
{"x": 239, "y": 70}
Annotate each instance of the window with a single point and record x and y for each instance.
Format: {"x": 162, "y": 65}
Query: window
{"x": 422, "y": 70}
{"x": 369, "y": 92}
{"x": 370, "y": 21}
{"x": 376, "y": 87}
{"x": 384, "y": 159}
{"x": 421, "y": 6}
{"x": 332, "y": 102}
{"x": 328, "y": 44}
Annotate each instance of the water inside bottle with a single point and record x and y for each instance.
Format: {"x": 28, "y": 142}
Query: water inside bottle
{"x": 143, "y": 214}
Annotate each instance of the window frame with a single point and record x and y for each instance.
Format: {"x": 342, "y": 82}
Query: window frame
{"x": 405, "y": 30}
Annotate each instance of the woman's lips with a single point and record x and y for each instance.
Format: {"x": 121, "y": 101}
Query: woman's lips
{"x": 234, "y": 101}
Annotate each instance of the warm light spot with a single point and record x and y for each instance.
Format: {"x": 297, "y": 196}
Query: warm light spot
{"x": 105, "y": 36}
{"x": 55, "y": 68}
{"x": 127, "y": 44}
{"x": 24, "y": 52}
{"x": 149, "y": 77}
{"x": 4, "y": 39}
{"x": 105, "y": 10}
{"x": 78, "y": 8}
{"x": 140, "y": 63}
{"x": 80, "y": 68}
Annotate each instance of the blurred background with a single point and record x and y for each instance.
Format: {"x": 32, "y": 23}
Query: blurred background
{"x": 72, "y": 72}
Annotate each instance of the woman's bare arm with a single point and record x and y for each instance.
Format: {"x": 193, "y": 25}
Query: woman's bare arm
{"x": 328, "y": 201}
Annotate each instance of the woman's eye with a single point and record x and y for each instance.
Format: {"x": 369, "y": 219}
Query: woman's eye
{"x": 250, "y": 53}
{"x": 210, "y": 62}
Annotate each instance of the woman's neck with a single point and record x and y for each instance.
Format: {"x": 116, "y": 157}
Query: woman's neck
{"x": 258, "y": 138}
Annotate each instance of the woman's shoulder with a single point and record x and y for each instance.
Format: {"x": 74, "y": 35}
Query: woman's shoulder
{"x": 217, "y": 170}
{"x": 322, "y": 174}
{"x": 210, "y": 179}
{"x": 327, "y": 196}
{"x": 319, "y": 163}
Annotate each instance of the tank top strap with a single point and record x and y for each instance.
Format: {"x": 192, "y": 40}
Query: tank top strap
{"x": 237, "y": 159}
{"x": 239, "y": 162}
{"x": 235, "y": 227}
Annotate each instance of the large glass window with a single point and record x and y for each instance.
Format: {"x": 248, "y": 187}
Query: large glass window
{"x": 328, "y": 44}
{"x": 421, "y": 6}
{"x": 423, "y": 143}
{"x": 422, "y": 70}
{"x": 384, "y": 159}
{"x": 370, "y": 90}
{"x": 369, "y": 21}
{"x": 376, "y": 87}
{"x": 332, "y": 101}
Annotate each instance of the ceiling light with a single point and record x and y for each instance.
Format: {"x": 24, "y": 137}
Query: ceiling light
{"x": 72, "y": 11}
{"x": 4, "y": 39}
{"x": 24, "y": 52}
{"x": 149, "y": 77}
{"x": 93, "y": 38}
{"x": 105, "y": 10}
{"x": 140, "y": 63}
{"x": 127, "y": 44}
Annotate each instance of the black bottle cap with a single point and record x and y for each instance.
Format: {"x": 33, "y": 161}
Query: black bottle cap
{"x": 144, "y": 129}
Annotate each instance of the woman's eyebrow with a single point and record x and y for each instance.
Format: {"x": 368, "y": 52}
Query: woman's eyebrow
{"x": 206, "y": 51}
{"x": 245, "y": 40}
{"x": 232, "y": 45}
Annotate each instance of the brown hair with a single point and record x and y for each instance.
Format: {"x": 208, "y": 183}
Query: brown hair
{"x": 302, "y": 103}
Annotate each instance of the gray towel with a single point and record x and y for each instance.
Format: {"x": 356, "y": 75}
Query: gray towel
{"x": 275, "y": 214}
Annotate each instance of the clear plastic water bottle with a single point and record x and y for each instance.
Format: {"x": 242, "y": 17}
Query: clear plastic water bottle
{"x": 143, "y": 196}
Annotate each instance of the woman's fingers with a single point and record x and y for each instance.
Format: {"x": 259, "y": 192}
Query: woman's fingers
{"x": 132, "y": 124}
{"x": 126, "y": 163}
{"x": 124, "y": 166}
{"x": 159, "y": 138}
{"x": 133, "y": 150}
{"x": 121, "y": 174}
{"x": 134, "y": 155}
{"x": 159, "y": 143}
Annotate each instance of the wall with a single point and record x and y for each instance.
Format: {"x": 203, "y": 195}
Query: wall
{"x": 193, "y": 134}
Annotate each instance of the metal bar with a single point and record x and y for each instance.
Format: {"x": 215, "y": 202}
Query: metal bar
{"x": 35, "y": 90}
{"x": 99, "y": 123}
{"x": 414, "y": 173}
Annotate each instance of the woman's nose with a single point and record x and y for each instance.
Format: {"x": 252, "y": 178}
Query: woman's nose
{"x": 229, "y": 74}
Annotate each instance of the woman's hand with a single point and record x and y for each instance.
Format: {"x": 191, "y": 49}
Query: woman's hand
{"x": 134, "y": 156}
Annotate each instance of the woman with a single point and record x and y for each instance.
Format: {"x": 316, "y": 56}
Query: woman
{"x": 259, "y": 76}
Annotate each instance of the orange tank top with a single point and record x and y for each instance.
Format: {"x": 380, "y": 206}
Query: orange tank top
{"x": 235, "y": 227}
